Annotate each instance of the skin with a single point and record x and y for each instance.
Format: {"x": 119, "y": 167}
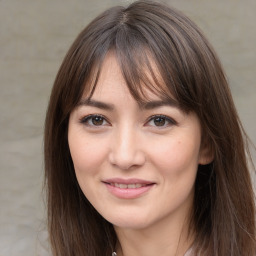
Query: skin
{"x": 127, "y": 141}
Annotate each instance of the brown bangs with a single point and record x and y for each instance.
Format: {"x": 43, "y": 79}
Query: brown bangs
{"x": 144, "y": 68}
{"x": 140, "y": 72}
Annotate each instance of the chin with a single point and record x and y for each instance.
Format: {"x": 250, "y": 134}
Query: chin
{"x": 131, "y": 225}
{"x": 131, "y": 221}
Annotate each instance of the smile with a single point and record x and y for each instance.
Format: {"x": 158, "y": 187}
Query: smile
{"x": 128, "y": 189}
{"x": 125, "y": 186}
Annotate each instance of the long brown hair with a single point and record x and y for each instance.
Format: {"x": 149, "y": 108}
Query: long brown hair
{"x": 223, "y": 216}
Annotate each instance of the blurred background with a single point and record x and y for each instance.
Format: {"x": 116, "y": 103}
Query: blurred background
{"x": 34, "y": 37}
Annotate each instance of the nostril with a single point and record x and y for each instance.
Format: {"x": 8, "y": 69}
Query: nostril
{"x": 126, "y": 160}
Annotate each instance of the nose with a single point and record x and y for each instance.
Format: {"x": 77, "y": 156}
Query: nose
{"x": 126, "y": 150}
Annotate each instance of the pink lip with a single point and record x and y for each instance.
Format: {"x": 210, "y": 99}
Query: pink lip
{"x": 128, "y": 181}
{"x": 128, "y": 193}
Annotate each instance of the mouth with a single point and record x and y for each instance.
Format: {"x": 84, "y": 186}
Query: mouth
{"x": 125, "y": 186}
{"x": 128, "y": 189}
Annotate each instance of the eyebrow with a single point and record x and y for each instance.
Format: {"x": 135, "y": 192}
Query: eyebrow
{"x": 159, "y": 103}
{"x": 143, "y": 105}
{"x": 97, "y": 104}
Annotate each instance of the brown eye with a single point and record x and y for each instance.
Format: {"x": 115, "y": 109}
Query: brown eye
{"x": 97, "y": 120}
{"x": 159, "y": 121}
{"x": 94, "y": 120}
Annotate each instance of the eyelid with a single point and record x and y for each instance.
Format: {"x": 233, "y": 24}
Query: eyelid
{"x": 167, "y": 118}
{"x": 85, "y": 119}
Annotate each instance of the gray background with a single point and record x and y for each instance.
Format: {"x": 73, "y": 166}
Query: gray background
{"x": 34, "y": 37}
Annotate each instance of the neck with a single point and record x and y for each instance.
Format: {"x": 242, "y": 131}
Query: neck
{"x": 169, "y": 237}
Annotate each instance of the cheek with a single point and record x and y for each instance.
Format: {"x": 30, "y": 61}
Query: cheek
{"x": 88, "y": 157}
{"x": 86, "y": 154}
{"x": 177, "y": 156}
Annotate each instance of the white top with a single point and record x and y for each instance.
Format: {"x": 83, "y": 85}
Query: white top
{"x": 188, "y": 253}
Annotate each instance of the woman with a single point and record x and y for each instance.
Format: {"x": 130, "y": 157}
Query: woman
{"x": 144, "y": 151}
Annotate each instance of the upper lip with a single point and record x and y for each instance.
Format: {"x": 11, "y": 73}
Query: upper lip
{"x": 128, "y": 181}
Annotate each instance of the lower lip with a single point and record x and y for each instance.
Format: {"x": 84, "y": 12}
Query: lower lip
{"x": 128, "y": 193}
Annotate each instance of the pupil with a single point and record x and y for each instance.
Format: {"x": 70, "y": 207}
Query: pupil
{"x": 159, "y": 121}
{"x": 97, "y": 120}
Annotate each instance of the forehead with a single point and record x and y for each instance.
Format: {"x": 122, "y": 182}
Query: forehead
{"x": 143, "y": 84}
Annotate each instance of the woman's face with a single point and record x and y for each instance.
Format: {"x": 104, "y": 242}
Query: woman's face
{"x": 136, "y": 164}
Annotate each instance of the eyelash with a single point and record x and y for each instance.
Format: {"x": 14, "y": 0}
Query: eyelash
{"x": 85, "y": 120}
{"x": 166, "y": 119}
